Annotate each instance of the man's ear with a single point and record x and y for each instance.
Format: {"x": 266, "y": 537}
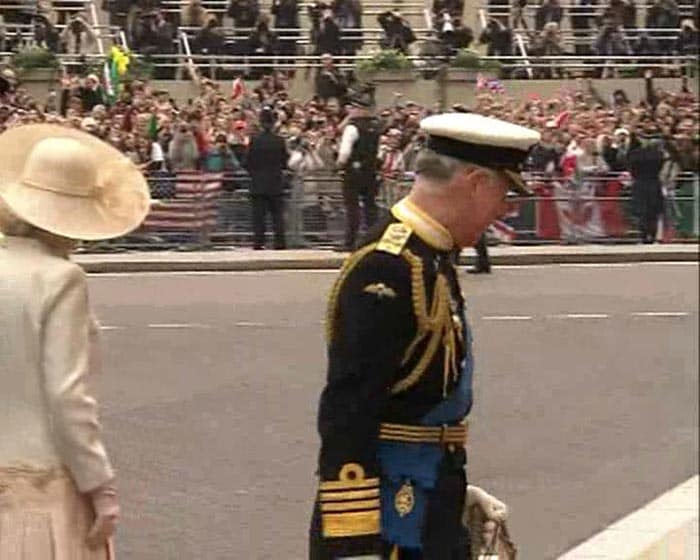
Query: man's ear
{"x": 477, "y": 177}
{"x": 464, "y": 182}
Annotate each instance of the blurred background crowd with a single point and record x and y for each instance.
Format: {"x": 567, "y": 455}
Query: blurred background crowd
{"x": 213, "y": 129}
{"x": 584, "y": 134}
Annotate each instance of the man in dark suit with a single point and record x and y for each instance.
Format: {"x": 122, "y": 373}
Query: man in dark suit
{"x": 267, "y": 160}
{"x": 644, "y": 161}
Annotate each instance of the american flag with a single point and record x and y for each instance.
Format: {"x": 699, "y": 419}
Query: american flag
{"x": 193, "y": 206}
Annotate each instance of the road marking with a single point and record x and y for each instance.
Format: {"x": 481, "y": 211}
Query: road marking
{"x": 627, "y": 265}
{"x": 660, "y": 314}
{"x": 110, "y": 328}
{"x": 580, "y": 316}
{"x": 598, "y": 265}
{"x": 177, "y": 326}
{"x": 595, "y": 265}
{"x": 507, "y": 317}
{"x": 250, "y": 324}
{"x": 98, "y": 275}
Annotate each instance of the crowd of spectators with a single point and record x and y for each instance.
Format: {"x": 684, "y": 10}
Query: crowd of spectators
{"x": 62, "y": 31}
{"x": 581, "y": 131}
{"x": 609, "y": 30}
{"x": 211, "y": 132}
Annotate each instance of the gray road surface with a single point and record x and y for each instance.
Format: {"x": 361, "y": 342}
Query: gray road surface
{"x": 586, "y": 402}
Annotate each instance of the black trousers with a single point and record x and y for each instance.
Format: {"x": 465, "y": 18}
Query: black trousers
{"x": 262, "y": 205}
{"x": 358, "y": 185}
{"x": 649, "y": 223}
{"x": 482, "y": 254}
{"x": 650, "y": 207}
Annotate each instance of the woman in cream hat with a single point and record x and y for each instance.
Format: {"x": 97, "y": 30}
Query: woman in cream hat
{"x": 58, "y": 497}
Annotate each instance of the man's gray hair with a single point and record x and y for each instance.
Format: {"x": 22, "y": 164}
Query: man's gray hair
{"x": 436, "y": 167}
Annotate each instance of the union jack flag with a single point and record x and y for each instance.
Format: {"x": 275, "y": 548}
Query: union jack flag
{"x": 495, "y": 86}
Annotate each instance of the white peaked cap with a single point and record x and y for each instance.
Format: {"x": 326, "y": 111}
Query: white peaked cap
{"x": 483, "y": 141}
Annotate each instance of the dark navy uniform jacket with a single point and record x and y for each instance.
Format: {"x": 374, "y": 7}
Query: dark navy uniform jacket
{"x": 400, "y": 367}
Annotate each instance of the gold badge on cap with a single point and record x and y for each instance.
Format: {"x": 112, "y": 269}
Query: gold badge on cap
{"x": 380, "y": 290}
{"x": 405, "y": 500}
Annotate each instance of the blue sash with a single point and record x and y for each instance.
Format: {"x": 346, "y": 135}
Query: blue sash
{"x": 417, "y": 463}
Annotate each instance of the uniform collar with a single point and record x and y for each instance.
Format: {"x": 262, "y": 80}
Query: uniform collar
{"x": 425, "y": 227}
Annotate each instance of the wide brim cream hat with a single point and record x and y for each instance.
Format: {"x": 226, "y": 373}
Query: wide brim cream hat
{"x": 70, "y": 183}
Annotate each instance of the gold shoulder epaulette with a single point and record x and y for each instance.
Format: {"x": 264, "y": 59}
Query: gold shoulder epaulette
{"x": 394, "y": 238}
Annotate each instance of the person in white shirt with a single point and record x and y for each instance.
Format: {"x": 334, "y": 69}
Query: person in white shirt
{"x": 358, "y": 158}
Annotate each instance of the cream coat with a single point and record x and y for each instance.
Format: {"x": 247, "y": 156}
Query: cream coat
{"x": 48, "y": 418}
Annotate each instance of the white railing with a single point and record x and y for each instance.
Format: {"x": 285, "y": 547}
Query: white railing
{"x": 483, "y": 19}
{"x": 505, "y": 9}
{"x": 523, "y": 52}
{"x": 187, "y": 52}
{"x": 97, "y": 28}
{"x": 123, "y": 40}
{"x": 303, "y": 61}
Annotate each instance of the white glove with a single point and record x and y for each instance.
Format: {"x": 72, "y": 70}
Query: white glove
{"x": 493, "y": 508}
{"x": 106, "y": 506}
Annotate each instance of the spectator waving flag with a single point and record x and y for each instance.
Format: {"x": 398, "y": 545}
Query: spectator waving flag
{"x": 114, "y": 70}
{"x": 238, "y": 91}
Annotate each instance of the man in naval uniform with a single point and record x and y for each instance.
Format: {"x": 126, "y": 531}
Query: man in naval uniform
{"x": 392, "y": 417}
{"x": 358, "y": 158}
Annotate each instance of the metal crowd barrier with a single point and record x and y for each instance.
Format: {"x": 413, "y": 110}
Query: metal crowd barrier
{"x": 242, "y": 62}
{"x": 193, "y": 211}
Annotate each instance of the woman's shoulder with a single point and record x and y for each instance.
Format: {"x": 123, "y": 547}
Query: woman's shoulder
{"x": 36, "y": 260}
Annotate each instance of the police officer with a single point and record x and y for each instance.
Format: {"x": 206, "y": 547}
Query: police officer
{"x": 358, "y": 158}
{"x": 392, "y": 483}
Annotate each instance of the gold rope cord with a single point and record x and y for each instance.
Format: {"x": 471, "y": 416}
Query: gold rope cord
{"x": 420, "y": 305}
{"x": 350, "y": 263}
{"x": 437, "y": 324}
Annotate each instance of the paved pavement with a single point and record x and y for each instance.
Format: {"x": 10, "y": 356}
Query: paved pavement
{"x": 246, "y": 259}
{"x": 586, "y": 401}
